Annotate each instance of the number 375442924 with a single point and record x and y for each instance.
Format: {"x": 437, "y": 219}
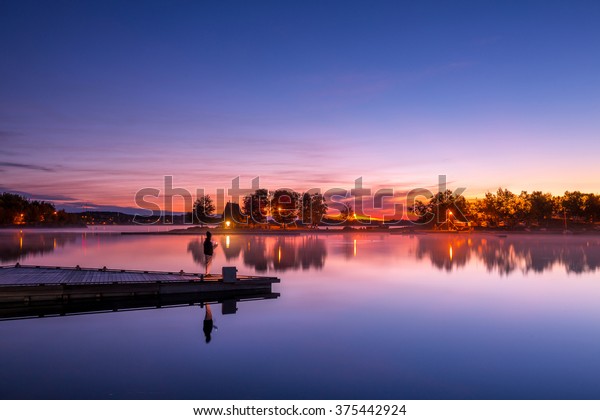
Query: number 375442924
{"x": 370, "y": 410}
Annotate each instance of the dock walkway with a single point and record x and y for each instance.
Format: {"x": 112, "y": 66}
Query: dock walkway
{"x": 28, "y": 275}
{"x": 38, "y": 286}
{"x": 37, "y": 291}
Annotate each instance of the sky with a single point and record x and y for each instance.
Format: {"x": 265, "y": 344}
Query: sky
{"x": 100, "y": 99}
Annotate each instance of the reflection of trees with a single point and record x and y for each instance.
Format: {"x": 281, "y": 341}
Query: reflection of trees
{"x": 263, "y": 253}
{"x": 347, "y": 248}
{"x": 444, "y": 254}
{"x": 197, "y": 250}
{"x": 592, "y": 256}
{"x": 313, "y": 253}
{"x": 231, "y": 248}
{"x": 281, "y": 253}
{"x": 294, "y": 253}
{"x": 255, "y": 254}
{"x": 506, "y": 255}
{"x": 17, "y": 245}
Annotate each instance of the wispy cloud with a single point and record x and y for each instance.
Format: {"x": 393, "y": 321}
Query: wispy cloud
{"x": 70, "y": 204}
{"x": 26, "y": 166}
{"x": 33, "y": 196}
{"x": 81, "y": 206}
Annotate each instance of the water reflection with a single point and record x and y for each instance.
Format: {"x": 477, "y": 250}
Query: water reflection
{"x": 231, "y": 247}
{"x": 75, "y": 307}
{"x": 208, "y": 324}
{"x": 505, "y": 255}
{"x": 264, "y": 253}
{"x": 17, "y": 245}
{"x": 197, "y": 251}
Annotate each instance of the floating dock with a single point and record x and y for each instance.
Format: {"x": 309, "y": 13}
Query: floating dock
{"x": 41, "y": 290}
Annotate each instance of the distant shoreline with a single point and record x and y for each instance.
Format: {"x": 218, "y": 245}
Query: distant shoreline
{"x": 28, "y": 227}
{"x": 391, "y": 231}
{"x": 405, "y": 230}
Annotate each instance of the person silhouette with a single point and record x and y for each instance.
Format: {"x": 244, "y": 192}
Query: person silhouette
{"x": 208, "y": 323}
{"x": 209, "y": 248}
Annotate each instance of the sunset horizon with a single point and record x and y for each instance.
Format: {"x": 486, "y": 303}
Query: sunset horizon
{"x": 98, "y": 109}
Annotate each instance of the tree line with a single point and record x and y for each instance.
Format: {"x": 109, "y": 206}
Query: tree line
{"x": 283, "y": 206}
{"x": 18, "y": 210}
{"x": 500, "y": 209}
{"x": 507, "y": 209}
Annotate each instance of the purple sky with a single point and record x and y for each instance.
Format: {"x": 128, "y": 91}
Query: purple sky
{"x": 101, "y": 99}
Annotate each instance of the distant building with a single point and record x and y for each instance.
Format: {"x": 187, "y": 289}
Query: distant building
{"x": 233, "y": 217}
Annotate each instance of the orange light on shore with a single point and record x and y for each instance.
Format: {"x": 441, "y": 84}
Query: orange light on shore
{"x": 228, "y": 223}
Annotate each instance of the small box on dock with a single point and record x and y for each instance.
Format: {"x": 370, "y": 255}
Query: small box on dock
{"x": 229, "y": 274}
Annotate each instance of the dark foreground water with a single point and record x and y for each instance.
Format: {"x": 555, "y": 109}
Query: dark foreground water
{"x": 364, "y": 316}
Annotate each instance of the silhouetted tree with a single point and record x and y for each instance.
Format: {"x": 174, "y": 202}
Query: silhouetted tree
{"x": 541, "y": 207}
{"x": 438, "y": 207}
{"x": 256, "y": 206}
{"x": 203, "y": 209}
{"x": 591, "y": 207}
{"x": 347, "y": 213}
{"x": 314, "y": 208}
{"x": 285, "y": 206}
{"x": 15, "y": 209}
{"x": 504, "y": 208}
{"x": 573, "y": 204}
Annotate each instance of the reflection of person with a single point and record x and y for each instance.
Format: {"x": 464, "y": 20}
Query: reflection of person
{"x": 209, "y": 248}
{"x": 208, "y": 323}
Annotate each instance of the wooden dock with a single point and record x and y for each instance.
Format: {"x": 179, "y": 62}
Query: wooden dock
{"x": 29, "y": 289}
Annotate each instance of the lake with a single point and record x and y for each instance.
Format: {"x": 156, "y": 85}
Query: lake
{"x": 359, "y": 316}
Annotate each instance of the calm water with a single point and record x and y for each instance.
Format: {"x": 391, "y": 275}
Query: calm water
{"x": 360, "y": 316}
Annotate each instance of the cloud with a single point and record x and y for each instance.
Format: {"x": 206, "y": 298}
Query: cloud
{"x": 80, "y": 206}
{"x": 26, "y": 166}
{"x": 70, "y": 204}
{"x": 43, "y": 197}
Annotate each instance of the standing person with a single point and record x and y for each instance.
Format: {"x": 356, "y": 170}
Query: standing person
{"x": 209, "y": 248}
